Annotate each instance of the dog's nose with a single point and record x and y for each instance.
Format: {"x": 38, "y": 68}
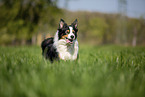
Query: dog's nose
{"x": 72, "y": 36}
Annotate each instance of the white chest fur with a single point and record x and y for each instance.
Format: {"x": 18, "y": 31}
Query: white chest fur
{"x": 67, "y": 52}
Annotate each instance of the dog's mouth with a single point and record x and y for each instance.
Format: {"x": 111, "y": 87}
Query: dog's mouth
{"x": 70, "y": 41}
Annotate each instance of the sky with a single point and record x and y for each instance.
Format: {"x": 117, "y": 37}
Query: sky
{"x": 134, "y": 8}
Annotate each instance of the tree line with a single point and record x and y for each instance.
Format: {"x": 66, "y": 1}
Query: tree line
{"x": 21, "y": 20}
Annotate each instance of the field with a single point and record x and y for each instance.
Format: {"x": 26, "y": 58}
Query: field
{"x": 101, "y": 71}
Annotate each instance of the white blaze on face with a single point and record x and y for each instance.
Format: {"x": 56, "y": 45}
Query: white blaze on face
{"x": 71, "y": 33}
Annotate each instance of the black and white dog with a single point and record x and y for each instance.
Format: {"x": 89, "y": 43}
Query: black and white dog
{"x": 64, "y": 45}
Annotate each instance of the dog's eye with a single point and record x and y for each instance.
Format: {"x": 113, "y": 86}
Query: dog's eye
{"x": 73, "y": 31}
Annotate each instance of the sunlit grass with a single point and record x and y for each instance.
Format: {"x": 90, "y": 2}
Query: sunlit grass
{"x": 101, "y": 71}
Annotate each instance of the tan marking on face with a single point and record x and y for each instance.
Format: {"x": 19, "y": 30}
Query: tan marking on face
{"x": 73, "y": 31}
{"x": 68, "y": 31}
{"x": 64, "y": 36}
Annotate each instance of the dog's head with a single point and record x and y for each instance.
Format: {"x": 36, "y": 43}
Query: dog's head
{"x": 67, "y": 32}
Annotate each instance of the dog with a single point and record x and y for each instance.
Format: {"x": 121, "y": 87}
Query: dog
{"x": 64, "y": 45}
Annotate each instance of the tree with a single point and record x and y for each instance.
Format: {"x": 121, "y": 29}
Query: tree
{"x": 20, "y": 18}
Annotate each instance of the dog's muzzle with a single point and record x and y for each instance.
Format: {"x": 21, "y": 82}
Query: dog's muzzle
{"x": 69, "y": 41}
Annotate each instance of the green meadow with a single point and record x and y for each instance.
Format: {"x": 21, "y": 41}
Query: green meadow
{"x": 101, "y": 71}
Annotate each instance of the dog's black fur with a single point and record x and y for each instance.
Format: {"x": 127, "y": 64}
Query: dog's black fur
{"x": 48, "y": 50}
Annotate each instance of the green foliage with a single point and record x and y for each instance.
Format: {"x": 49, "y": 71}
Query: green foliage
{"x": 103, "y": 71}
{"x": 98, "y": 27}
{"x": 20, "y": 18}
{"x": 49, "y": 20}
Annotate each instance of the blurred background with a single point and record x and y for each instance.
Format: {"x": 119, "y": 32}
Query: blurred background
{"x": 28, "y": 22}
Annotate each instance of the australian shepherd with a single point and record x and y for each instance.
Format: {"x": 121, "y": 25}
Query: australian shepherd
{"x": 64, "y": 45}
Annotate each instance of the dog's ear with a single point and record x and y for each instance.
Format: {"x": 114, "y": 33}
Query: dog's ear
{"x": 75, "y": 24}
{"x": 61, "y": 23}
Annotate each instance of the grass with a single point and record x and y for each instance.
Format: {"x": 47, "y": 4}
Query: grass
{"x": 101, "y": 71}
